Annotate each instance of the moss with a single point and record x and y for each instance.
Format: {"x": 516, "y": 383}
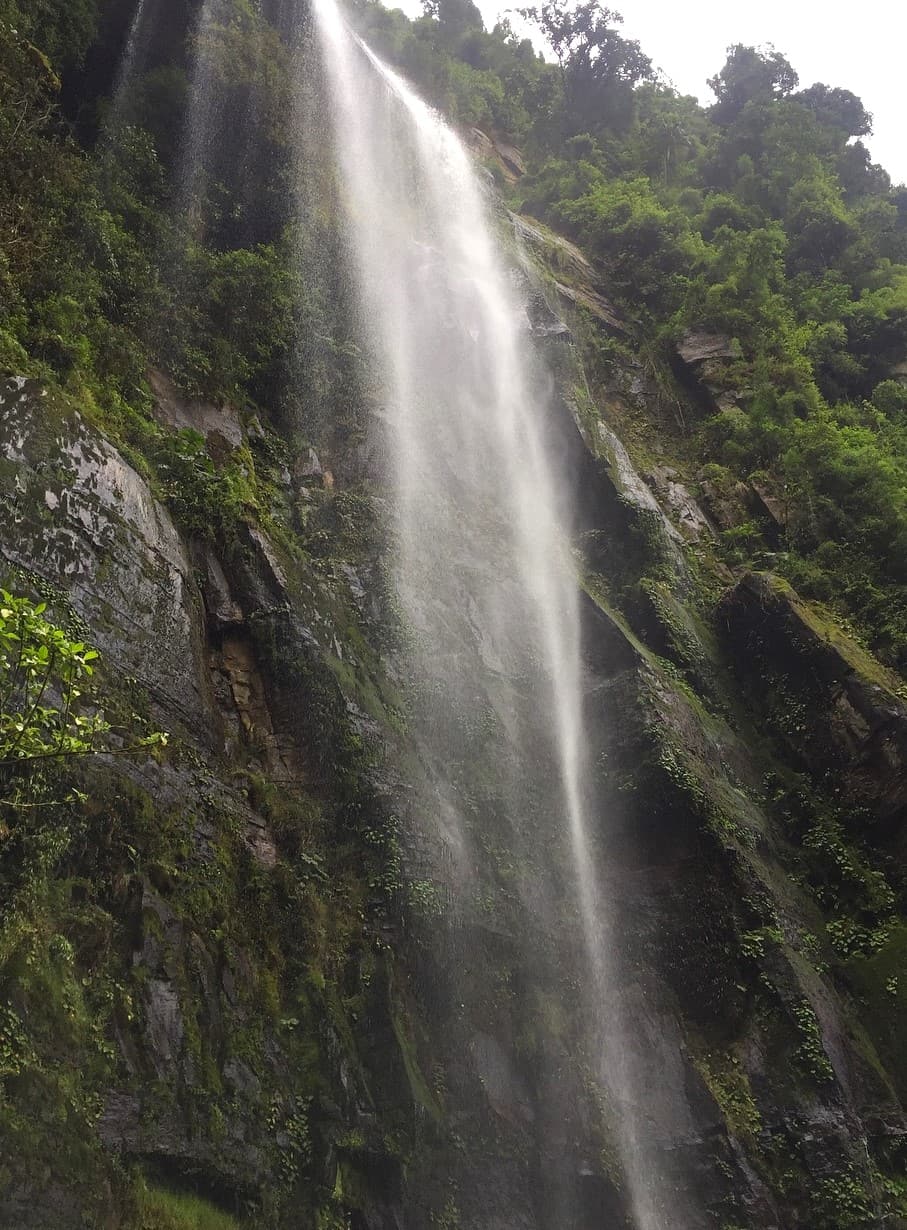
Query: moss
{"x": 160, "y": 1208}
{"x": 826, "y": 629}
{"x": 729, "y": 1085}
{"x": 447, "y": 1218}
{"x": 879, "y": 983}
{"x": 422, "y": 1092}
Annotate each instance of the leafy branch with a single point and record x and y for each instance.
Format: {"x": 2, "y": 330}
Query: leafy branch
{"x": 49, "y": 711}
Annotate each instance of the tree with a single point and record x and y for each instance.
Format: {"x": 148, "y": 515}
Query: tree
{"x": 818, "y": 224}
{"x": 455, "y": 16}
{"x": 750, "y": 75}
{"x": 837, "y": 108}
{"x": 600, "y": 67}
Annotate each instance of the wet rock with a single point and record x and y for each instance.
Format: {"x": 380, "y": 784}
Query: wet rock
{"x": 43, "y": 1203}
{"x": 692, "y": 521}
{"x": 221, "y": 607}
{"x": 237, "y": 662}
{"x": 357, "y": 588}
{"x": 511, "y": 157}
{"x": 241, "y": 1079}
{"x": 596, "y": 304}
{"x": 705, "y": 364}
{"x": 507, "y": 158}
{"x": 165, "y": 1025}
{"x": 261, "y": 844}
{"x": 162, "y": 934}
{"x": 553, "y": 249}
{"x": 544, "y": 323}
{"x": 254, "y": 429}
{"x": 506, "y": 1092}
{"x": 575, "y": 281}
{"x": 307, "y": 466}
{"x": 268, "y": 557}
{"x": 657, "y": 538}
{"x": 726, "y": 502}
{"x": 631, "y": 485}
{"x": 480, "y": 143}
{"x": 770, "y": 502}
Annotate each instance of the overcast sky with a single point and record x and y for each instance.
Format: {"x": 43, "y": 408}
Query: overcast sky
{"x": 861, "y": 46}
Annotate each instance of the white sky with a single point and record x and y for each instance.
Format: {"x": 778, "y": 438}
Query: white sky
{"x": 861, "y": 46}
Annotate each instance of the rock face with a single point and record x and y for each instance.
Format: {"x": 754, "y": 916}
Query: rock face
{"x": 506, "y": 157}
{"x": 692, "y": 521}
{"x": 213, "y": 1084}
{"x": 215, "y": 423}
{"x": 254, "y": 1010}
{"x": 204, "y": 1082}
{"x": 861, "y": 736}
{"x": 705, "y": 364}
{"x": 81, "y": 518}
{"x": 575, "y": 280}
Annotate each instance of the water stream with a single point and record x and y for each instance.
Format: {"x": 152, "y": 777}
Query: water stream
{"x": 200, "y": 112}
{"x": 132, "y": 59}
{"x": 482, "y": 565}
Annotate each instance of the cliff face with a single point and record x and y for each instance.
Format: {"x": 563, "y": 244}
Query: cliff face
{"x": 235, "y": 988}
{"x": 251, "y": 1009}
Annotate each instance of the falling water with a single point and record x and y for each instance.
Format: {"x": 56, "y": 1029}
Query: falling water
{"x": 140, "y": 28}
{"x": 483, "y": 570}
{"x": 130, "y": 52}
{"x": 199, "y": 112}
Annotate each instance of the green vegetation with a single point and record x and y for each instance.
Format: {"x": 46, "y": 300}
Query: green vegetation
{"x": 760, "y": 218}
{"x": 161, "y": 1209}
{"x": 48, "y": 711}
{"x": 55, "y": 1050}
{"x": 36, "y": 661}
{"x": 102, "y": 276}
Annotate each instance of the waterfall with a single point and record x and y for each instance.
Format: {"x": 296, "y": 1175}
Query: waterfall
{"x": 483, "y": 570}
{"x": 130, "y": 52}
{"x": 131, "y": 60}
{"x": 199, "y": 114}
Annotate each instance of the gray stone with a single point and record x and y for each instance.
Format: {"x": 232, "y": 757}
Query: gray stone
{"x": 698, "y": 347}
{"x": 165, "y": 1025}
{"x": 174, "y": 410}
{"x": 307, "y": 465}
{"x": 87, "y": 522}
{"x": 692, "y": 521}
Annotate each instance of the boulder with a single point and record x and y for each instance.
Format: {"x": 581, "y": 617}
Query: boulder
{"x": 727, "y": 503}
{"x": 698, "y": 347}
{"x": 770, "y": 502}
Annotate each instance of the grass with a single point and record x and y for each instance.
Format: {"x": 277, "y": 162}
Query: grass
{"x": 158, "y": 1208}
